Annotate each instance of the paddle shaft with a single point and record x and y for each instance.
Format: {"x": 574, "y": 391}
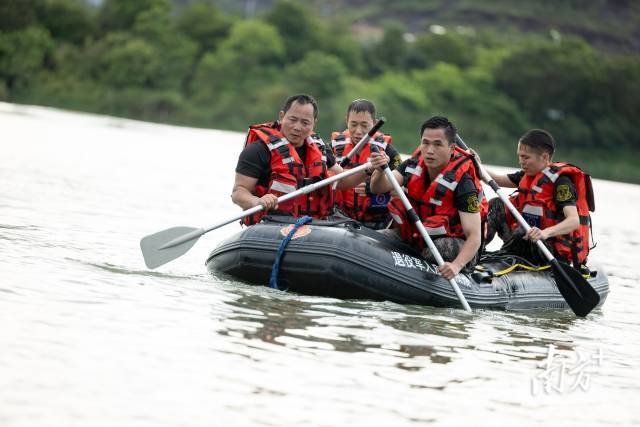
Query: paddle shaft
{"x": 576, "y": 291}
{"x": 304, "y": 190}
{"x": 345, "y": 161}
{"x": 423, "y": 231}
{"x": 505, "y": 199}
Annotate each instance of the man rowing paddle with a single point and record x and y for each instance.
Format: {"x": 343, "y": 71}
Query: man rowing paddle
{"x": 443, "y": 187}
{"x": 554, "y": 198}
{"x": 283, "y": 156}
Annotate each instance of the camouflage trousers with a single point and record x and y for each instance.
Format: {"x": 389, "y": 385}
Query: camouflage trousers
{"x": 497, "y": 221}
{"x": 449, "y": 248}
{"x": 513, "y": 242}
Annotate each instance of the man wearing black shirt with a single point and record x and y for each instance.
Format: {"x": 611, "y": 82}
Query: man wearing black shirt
{"x": 535, "y": 152}
{"x": 360, "y": 203}
{"x": 444, "y": 190}
{"x": 276, "y": 161}
{"x": 255, "y": 161}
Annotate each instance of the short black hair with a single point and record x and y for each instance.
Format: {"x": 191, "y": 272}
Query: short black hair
{"x": 302, "y": 99}
{"x": 362, "y": 106}
{"x": 540, "y": 140}
{"x": 440, "y": 122}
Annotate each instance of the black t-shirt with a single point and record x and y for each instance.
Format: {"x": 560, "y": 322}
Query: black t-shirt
{"x": 564, "y": 192}
{"x": 255, "y": 161}
{"x": 394, "y": 156}
{"x": 465, "y": 195}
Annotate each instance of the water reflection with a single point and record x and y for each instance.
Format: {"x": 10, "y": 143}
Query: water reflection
{"x": 345, "y": 326}
{"x": 89, "y": 334}
{"x": 408, "y": 332}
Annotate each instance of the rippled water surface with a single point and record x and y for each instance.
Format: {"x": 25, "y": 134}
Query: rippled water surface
{"x": 90, "y": 336}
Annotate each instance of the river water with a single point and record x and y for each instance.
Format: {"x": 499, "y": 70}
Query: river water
{"x": 90, "y": 336}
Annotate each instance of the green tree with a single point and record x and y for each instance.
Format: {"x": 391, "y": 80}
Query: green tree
{"x": 469, "y": 97}
{"x": 299, "y": 30}
{"x": 205, "y": 24}
{"x": 123, "y": 60}
{"x": 140, "y": 103}
{"x": 398, "y": 97}
{"x": 245, "y": 61}
{"x": 17, "y": 14}
{"x": 317, "y": 73}
{"x": 337, "y": 40}
{"x": 68, "y": 20}
{"x": 122, "y": 14}
{"x": 250, "y": 45}
{"x": 153, "y": 23}
{"x": 22, "y": 54}
{"x": 559, "y": 87}
{"x": 619, "y": 102}
{"x": 176, "y": 52}
{"x": 391, "y": 52}
{"x": 430, "y": 49}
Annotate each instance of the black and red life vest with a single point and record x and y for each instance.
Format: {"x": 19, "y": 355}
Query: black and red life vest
{"x": 535, "y": 200}
{"x": 289, "y": 173}
{"x": 435, "y": 204}
{"x": 365, "y": 208}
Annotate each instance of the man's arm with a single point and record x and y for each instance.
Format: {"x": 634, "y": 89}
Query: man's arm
{"x": 358, "y": 180}
{"x": 344, "y": 183}
{"x": 379, "y": 183}
{"x": 564, "y": 197}
{"x": 502, "y": 180}
{"x": 350, "y": 181}
{"x": 566, "y": 226}
{"x": 471, "y": 225}
{"x": 254, "y": 162}
{"x": 242, "y": 194}
{"x": 394, "y": 157}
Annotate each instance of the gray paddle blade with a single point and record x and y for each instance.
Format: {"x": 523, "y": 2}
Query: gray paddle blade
{"x": 152, "y": 245}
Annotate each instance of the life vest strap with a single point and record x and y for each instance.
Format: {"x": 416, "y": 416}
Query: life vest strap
{"x": 551, "y": 174}
{"x": 417, "y": 170}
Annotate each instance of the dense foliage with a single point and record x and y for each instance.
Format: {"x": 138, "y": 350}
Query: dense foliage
{"x": 196, "y": 65}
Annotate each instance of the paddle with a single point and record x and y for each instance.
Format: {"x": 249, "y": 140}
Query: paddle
{"x": 164, "y": 246}
{"x": 574, "y": 288}
{"x": 418, "y": 223}
{"x": 345, "y": 161}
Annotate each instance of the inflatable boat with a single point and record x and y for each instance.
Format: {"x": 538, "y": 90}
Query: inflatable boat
{"x": 340, "y": 258}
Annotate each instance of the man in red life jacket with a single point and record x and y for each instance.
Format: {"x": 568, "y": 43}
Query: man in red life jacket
{"x": 554, "y": 198}
{"x": 359, "y": 202}
{"x": 283, "y": 156}
{"x": 443, "y": 187}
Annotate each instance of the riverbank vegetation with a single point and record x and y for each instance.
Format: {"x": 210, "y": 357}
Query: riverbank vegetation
{"x": 193, "y": 63}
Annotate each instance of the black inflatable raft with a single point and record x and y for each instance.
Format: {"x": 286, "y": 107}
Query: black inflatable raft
{"x": 342, "y": 259}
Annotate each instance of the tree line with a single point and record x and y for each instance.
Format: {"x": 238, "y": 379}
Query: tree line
{"x": 196, "y": 65}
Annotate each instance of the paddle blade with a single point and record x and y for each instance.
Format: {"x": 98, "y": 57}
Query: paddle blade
{"x": 575, "y": 289}
{"x": 152, "y": 245}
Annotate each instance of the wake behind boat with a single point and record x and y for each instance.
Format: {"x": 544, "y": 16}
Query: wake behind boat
{"x": 340, "y": 258}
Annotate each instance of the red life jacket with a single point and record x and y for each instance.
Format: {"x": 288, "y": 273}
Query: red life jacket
{"x": 435, "y": 205}
{"x": 535, "y": 200}
{"x": 365, "y": 208}
{"x": 289, "y": 173}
